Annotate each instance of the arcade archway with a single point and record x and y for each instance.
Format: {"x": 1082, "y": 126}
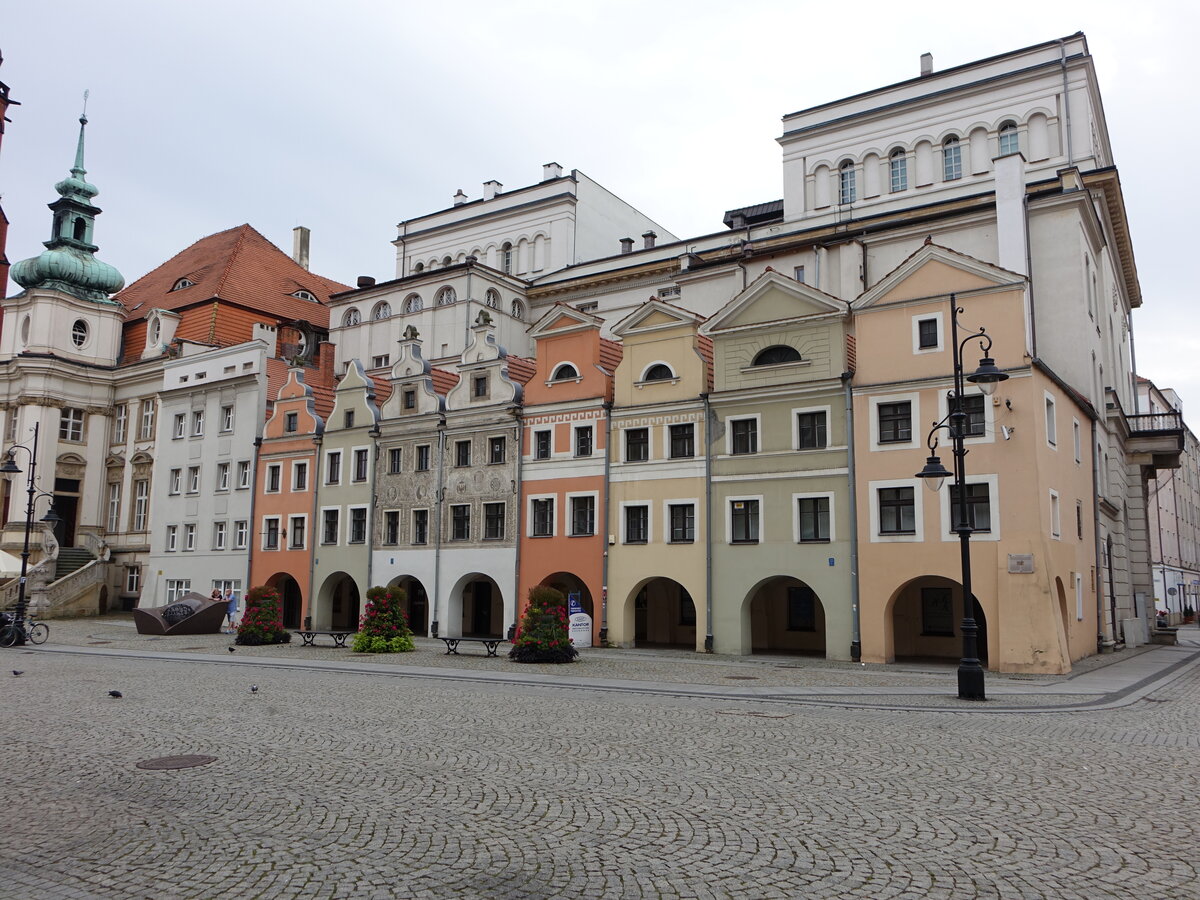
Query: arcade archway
{"x": 784, "y": 615}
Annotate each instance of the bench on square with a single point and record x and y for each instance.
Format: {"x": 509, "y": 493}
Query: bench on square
{"x": 339, "y": 637}
{"x": 489, "y": 643}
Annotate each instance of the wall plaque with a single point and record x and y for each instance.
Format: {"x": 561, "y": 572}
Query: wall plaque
{"x": 1020, "y": 563}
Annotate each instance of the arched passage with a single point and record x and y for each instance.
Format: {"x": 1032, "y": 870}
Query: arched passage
{"x": 664, "y": 614}
{"x": 416, "y": 602}
{"x": 924, "y": 619}
{"x": 291, "y": 597}
{"x": 567, "y": 584}
{"x": 784, "y": 615}
{"x": 476, "y": 607}
{"x": 337, "y": 603}
{"x": 1064, "y": 637}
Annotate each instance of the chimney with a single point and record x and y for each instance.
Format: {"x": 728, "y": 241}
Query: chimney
{"x": 365, "y": 281}
{"x": 300, "y": 236}
{"x": 626, "y": 245}
{"x": 550, "y": 171}
{"x": 460, "y": 198}
{"x": 491, "y": 189}
{"x": 926, "y": 65}
{"x": 648, "y": 240}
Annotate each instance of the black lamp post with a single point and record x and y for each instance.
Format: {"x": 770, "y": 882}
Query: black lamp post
{"x": 987, "y": 376}
{"x": 51, "y": 518}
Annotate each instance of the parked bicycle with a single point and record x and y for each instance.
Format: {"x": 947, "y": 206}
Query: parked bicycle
{"x": 11, "y": 631}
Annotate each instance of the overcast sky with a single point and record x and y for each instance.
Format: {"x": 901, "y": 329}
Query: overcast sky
{"x": 348, "y": 117}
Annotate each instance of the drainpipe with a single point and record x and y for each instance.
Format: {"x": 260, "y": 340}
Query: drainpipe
{"x": 373, "y": 434}
{"x": 250, "y": 524}
{"x": 314, "y": 478}
{"x": 516, "y": 489}
{"x": 437, "y": 528}
{"x": 708, "y": 585}
{"x": 1100, "y": 639}
{"x": 855, "y": 621}
{"x": 608, "y": 405}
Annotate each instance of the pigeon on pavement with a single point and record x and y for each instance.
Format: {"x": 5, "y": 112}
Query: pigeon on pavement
{"x": 115, "y": 694}
{"x": 254, "y": 688}
{"x": 18, "y": 672}
{"x": 231, "y": 649}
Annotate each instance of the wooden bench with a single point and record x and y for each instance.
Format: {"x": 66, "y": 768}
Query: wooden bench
{"x": 489, "y": 643}
{"x": 339, "y": 637}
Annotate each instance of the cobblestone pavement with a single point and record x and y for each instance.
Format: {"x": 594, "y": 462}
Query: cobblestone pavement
{"x": 335, "y": 784}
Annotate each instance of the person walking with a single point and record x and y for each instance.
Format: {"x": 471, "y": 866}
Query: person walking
{"x": 231, "y": 608}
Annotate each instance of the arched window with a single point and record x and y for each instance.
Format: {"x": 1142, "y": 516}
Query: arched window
{"x": 155, "y": 329}
{"x": 506, "y": 259}
{"x": 658, "y": 372}
{"x": 446, "y": 296}
{"x": 518, "y": 310}
{"x": 777, "y": 355}
{"x": 412, "y": 303}
{"x": 181, "y": 284}
{"x": 419, "y": 267}
{"x": 847, "y": 189}
{"x": 446, "y": 261}
{"x": 382, "y": 310}
{"x": 80, "y": 228}
{"x": 352, "y": 316}
{"x": 79, "y": 333}
{"x": 898, "y": 169}
{"x": 492, "y": 298}
{"x": 1009, "y": 141}
{"x": 565, "y": 372}
{"x": 951, "y": 159}
{"x": 305, "y": 295}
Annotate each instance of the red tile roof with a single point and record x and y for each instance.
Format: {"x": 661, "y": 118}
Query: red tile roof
{"x": 704, "y": 345}
{"x": 521, "y": 369}
{"x": 443, "y": 380}
{"x": 610, "y": 354}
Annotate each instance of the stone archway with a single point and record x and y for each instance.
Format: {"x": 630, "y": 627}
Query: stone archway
{"x": 475, "y": 607}
{"x": 782, "y": 614}
{"x": 416, "y": 602}
{"x": 337, "y": 605}
{"x": 291, "y": 598}
{"x": 664, "y": 614}
{"x": 567, "y": 584}
{"x": 923, "y": 618}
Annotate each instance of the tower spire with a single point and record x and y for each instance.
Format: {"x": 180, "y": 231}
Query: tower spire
{"x": 78, "y": 170}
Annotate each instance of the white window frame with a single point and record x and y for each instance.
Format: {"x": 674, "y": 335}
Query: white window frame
{"x": 803, "y": 410}
{"x": 758, "y": 434}
{"x": 570, "y": 512}
{"x": 916, "y": 437}
{"x": 919, "y": 492}
{"x": 227, "y": 418}
{"x": 298, "y": 466}
{"x": 1077, "y": 437}
{"x": 354, "y": 452}
{"x": 814, "y": 495}
{"x": 649, "y": 444}
{"x": 762, "y": 516}
{"x": 412, "y": 522}
{"x": 553, "y": 518}
{"x": 916, "y": 333}
{"x": 1051, "y": 420}
{"x": 697, "y": 521}
{"x": 172, "y": 542}
{"x": 222, "y": 476}
{"x": 133, "y": 579}
{"x": 179, "y": 429}
{"x": 141, "y": 504}
{"x": 303, "y": 519}
{"x": 189, "y": 537}
{"x": 947, "y": 518}
{"x": 193, "y": 480}
{"x": 897, "y": 165}
{"x": 649, "y": 521}
{"x": 243, "y": 474}
{"x": 149, "y": 408}
{"x": 338, "y": 537}
{"x": 1055, "y": 515}
{"x": 665, "y": 437}
{"x": 350, "y": 510}
{"x": 952, "y": 171}
{"x": 650, "y": 365}
{"x": 847, "y": 183}
{"x": 120, "y": 423}
{"x": 198, "y": 423}
{"x": 71, "y": 424}
{"x": 273, "y": 476}
{"x": 576, "y": 427}
{"x": 220, "y": 535}
{"x": 278, "y": 543}
{"x": 175, "y": 482}
{"x": 329, "y": 454}
{"x": 989, "y": 415}
{"x": 114, "y": 506}
{"x": 241, "y": 534}
{"x": 178, "y": 588}
{"x": 1078, "y": 596}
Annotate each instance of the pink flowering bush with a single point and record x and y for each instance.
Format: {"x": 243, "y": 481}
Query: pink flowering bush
{"x": 383, "y": 626}
{"x": 542, "y": 635}
{"x": 262, "y": 620}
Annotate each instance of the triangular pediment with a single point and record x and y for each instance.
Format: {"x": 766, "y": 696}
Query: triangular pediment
{"x": 934, "y": 270}
{"x": 655, "y": 315}
{"x": 562, "y": 319}
{"x": 771, "y": 299}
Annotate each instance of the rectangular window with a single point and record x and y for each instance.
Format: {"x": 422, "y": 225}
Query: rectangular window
{"x": 895, "y": 422}
{"x": 241, "y": 534}
{"x": 814, "y": 519}
{"x": 898, "y": 172}
{"x": 744, "y": 519}
{"x": 462, "y": 453}
{"x": 198, "y": 423}
{"x": 583, "y": 516}
{"x": 193, "y": 480}
{"x": 975, "y": 424}
{"x": 70, "y": 426}
{"x": 219, "y": 529}
{"x": 493, "y": 521}
{"x": 1079, "y": 519}
{"x": 133, "y": 579}
{"x": 979, "y": 508}
{"x": 683, "y": 522}
{"x": 927, "y": 333}
{"x": 541, "y": 445}
{"x": 243, "y": 474}
{"x": 175, "y": 481}
{"x": 420, "y": 526}
{"x": 358, "y": 525}
{"x": 683, "y": 441}
{"x": 801, "y": 608}
{"x": 178, "y": 588}
{"x": 1077, "y": 437}
{"x": 637, "y": 444}
{"x": 423, "y": 458}
{"x": 394, "y": 460}
{"x": 1055, "y": 516}
{"x": 847, "y": 189}
{"x": 291, "y": 422}
{"x": 227, "y": 586}
{"x": 114, "y": 507}
{"x": 799, "y": 273}
{"x": 120, "y": 423}
{"x": 189, "y": 537}
{"x": 391, "y": 527}
{"x": 380, "y": 361}
{"x": 147, "y": 432}
{"x": 296, "y": 533}
{"x": 333, "y": 467}
{"x": 348, "y": 419}
{"x": 299, "y": 476}
{"x": 496, "y": 450}
{"x": 329, "y": 526}
{"x": 583, "y": 441}
{"x": 410, "y": 399}
{"x": 543, "y": 518}
{"x": 745, "y": 435}
{"x": 141, "y": 504}
{"x": 937, "y": 612}
{"x": 1051, "y": 423}
{"x": 273, "y": 477}
{"x": 951, "y": 160}
{"x": 637, "y": 524}
{"x": 223, "y": 476}
{"x": 460, "y": 522}
{"x": 180, "y": 427}
{"x": 479, "y": 386}
{"x": 897, "y": 511}
{"x": 361, "y": 463}
{"x": 811, "y": 431}
{"x": 227, "y": 418}
{"x": 270, "y": 534}
{"x": 172, "y": 538}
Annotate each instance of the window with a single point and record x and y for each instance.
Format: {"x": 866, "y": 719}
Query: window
{"x": 271, "y": 534}
{"x": 219, "y": 529}
{"x": 492, "y": 298}
{"x": 147, "y": 431}
{"x": 70, "y": 426}
{"x": 951, "y": 159}
{"x": 744, "y": 521}
{"x": 141, "y": 503}
{"x": 479, "y": 387}
{"x": 410, "y": 399}
{"x": 394, "y": 461}
{"x": 799, "y": 273}
{"x": 175, "y": 481}
{"x": 189, "y": 537}
{"x": 273, "y": 476}
{"x": 172, "y": 538}
{"x": 565, "y": 372}
{"x": 412, "y": 303}
{"x": 299, "y": 476}
{"x": 847, "y": 189}
{"x": 180, "y": 426}
{"x": 241, "y": 534}
{"x": 937, "y": 612}
{"x": 1055, "y": 516}
{"x": 227, "y": 418}
{"x": 744, "y": 433}
{"x": 927, "y": 334}
{"x": 348, "y": 419}
{"x": 1051, "y": 423}
{"x": 979, "y": 508}
{"x": 1079, "y": 519}
{"x": 10, "y": 427}
{"x": 358, "y": 525}
{"x": 329, "y": 526}
{"x": 541, "y": 444}
{"x": 114, "y": 506}
{"x": 637, "y": 524}
{"x": 420, "y": 526}
{"x": 423, "y": 458}
{"x": 658, "y": 372}
{"x": 382, "y": 310}
{"x": 193, "y": 480}
{"x": 120, "y": 422}
{"x": 446, "y": 296}
{"x": 895, "y": 422}
{"x": 518, "y": 311}
{"x": 460, "y": 522}
{"x": 198, "y": 423}
{"x": 462, "y": 453}
{"x": 506, "y": 259}
{"x": 379, "y": 362}
{"x": 813, "y": 521}
{"x": 391, "y": 527}
{"x": 898, "y": 171}
{"x": 496, "y": 450}
{"x": 243, "y": 474}
{"x": 682, "y": 518}
{"x": 361, "y": 464}
{"x": 637, "y": 444}
{"x": 493, "y": 521}
{"x": 683, "y": 441}
{"x": 333, "y": 467}
{"x": 296, "y": 527}
{"x": 1009, "y": 140}
{"x": 306, "y": 295}
{"x": 777, "y": 356}
{"x": 801, "y": 608}
{"x": 583, "y": 440}
{"x": 352, "y": 317}
{"x": 182, "y": 283}
{"x": 583, "y": 516}
{"x": 543, "y": 517}
{"x": 1078, "y": 439}
{"x": 975, "y": 423}
{"x": 897, "y": 511}
{"x": 178, "y": 588}
{"x": 810, "y": 431}
{"x": 133, "y": 579}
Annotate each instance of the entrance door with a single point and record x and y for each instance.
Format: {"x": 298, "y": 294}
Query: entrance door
{"x": 67, "y": 508}
{"x": 481, "y": 610}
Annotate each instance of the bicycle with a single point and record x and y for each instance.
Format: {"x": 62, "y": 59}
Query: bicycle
{"x": 31, "y": 631}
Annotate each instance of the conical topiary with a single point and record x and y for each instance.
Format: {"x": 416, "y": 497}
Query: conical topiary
{"x": 262, "y": 620}
{"x": 542, "y": 636}
{"x": 383, "y": 627}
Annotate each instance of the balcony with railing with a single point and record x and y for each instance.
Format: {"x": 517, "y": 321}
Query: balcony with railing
{"x": 1152, "y": 439}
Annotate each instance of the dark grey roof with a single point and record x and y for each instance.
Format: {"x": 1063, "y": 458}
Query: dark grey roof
{"x": 756, "y": 214}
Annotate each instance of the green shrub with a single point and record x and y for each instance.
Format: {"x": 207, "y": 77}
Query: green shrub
{"x": 542, "y": 636}
{"x": 383, "y": 627}
{"x": 365, "y": 643}
{"x": 262, "y": 620}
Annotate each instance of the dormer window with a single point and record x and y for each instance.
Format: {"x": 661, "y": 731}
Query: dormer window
{"x": 492, "y": 298}
{"x": 777, "y": 356}
{"x": 352, "y": 317}
{"x": 305, "y": 295}
{"x": 182, "y": 283}
{"x": 79, "y": 333}
{"x": 658, "y": 372}
{"x": 382, "y": 310}
{"x": 446, "y": 296}
{"x": 1009, "y": 140}
{"x": 565, "y": 372}
{"x": 951, "y": 159}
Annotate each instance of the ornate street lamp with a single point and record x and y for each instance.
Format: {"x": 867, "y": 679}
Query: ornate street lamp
{"x": 51, "y": 518}
{"x": 987, "y": 376}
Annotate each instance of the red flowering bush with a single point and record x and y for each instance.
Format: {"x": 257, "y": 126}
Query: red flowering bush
{"x": 262, "y": 620}
{"x": 542, "y": 635}
{"x": 383, "y": 626}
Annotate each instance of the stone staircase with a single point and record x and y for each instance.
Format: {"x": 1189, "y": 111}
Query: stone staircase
{"x": 71, "y": 559}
